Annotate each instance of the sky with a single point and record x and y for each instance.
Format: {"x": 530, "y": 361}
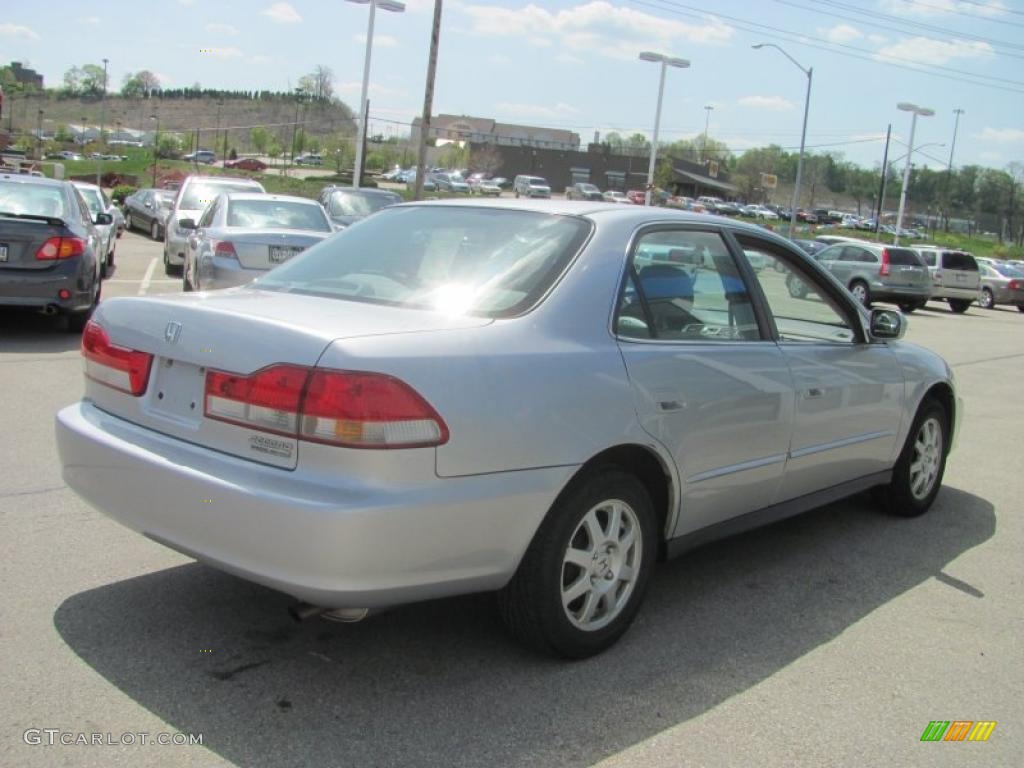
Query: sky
{"x": 574, "y": 64}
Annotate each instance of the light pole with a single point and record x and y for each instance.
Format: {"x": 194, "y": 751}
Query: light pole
{"x": 666, "y": 62}
{"x": 103, "y": 118}
{"x": 949, "y": 168}
{"x": 803, "y": 135}
{"x": 384, "y": 5}
{"x": 905, "y": 106}
{"x": 156, "y": 145}
{"x": 39, "y": 135}
{"x": 707, "y": 121}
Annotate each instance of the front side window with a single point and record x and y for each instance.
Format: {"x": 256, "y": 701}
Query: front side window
{"x": 461, "y": 260}
{"x": 685, "y": 286}
{"x": 803, "y": 311}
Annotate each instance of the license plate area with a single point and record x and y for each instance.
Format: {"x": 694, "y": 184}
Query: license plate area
{"x": 177, "y": 391}
{"x": 281, "y": 253}
{"x": 3, "y": 251}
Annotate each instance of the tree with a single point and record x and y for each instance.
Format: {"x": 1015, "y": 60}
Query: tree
{"x": 339, "y": 151}
{"x": 485, "y": 159}
{"x": 141, "y": 84}
{"x": 259, "y": 138}
{"x": 168, "y": 146}
{"x": 93, "y": 79}
{"x": 323, "y": 83}
{"x": 274, "y": 148}
{"x": 62, "y": 134}
{"x": 73, "y": 80}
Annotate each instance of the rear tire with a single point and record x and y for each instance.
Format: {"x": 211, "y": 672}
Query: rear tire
{"x": 986, "y": 300}
{"x": 959, "y": 306}
{"x": 154, "y": 231}
{"x": 1020, "y": 307}
{"x": 583, "y": 577}
{"x": 861, "y": 292}
{"x": 917, "y": 476}
{"x": 128, "y": 222}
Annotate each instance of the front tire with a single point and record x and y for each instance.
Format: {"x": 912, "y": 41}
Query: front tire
{"x": 584, "y": 575}
{"x": 917, "y": 476}
{"x": 959, "y": 306}
{"x": 986, "y": 300}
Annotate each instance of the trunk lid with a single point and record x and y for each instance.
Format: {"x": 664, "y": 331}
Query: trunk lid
{"x": 237, "y": 331}
{"x": 906, "y": 269}
{"x": 267, "y": 248}
{"x": 20, "y": 238}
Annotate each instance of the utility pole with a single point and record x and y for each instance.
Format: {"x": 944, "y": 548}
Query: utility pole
{"x": 704, "y": 144}
{"x": 103, "y": 118}
{"x": 949, "y": 168}
{"x": 885, "y": 176}
{"x": 428, "y": 101}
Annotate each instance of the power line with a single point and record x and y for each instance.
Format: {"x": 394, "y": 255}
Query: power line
{"x": 978, "y": 16}
{"x": 860, "y": 53}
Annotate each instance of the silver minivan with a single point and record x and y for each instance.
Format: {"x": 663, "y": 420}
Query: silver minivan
{"x": 531, "y": 186}
{"x": 955, "y": 276}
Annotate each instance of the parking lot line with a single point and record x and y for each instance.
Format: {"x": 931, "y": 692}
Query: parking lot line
{"x": 148, "y": 278}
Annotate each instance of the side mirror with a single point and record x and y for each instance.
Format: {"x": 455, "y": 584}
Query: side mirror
{"x": 148, "y": 204}
{"x": 104, "y": 218}
{"x": 187, "y": 224}
{"x": 887, "y": 324}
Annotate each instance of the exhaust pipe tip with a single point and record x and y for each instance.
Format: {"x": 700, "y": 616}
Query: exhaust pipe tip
{"x": 49, "y": 310}
{"x": 303, "y": 611}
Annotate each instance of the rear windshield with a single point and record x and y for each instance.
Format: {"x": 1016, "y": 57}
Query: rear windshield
{"x": 477, "y": 261}
{"x": 276, "y": 214}
{"x": 959, "y": 260}
{"x": 33, "y": 199}
{"x": 358, "y": 204}
{"x": 537, "y": 181}
{"x": 198, "y": 196}
{"x": 1007, "y": 271}
{"x": 904, "y": 257}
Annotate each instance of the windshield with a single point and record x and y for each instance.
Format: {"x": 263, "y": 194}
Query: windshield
{"x": 32, "y": 199}
{"x": 495, "y": 263}
{"x": 1007, "y": 271}
{"x": 276, "y": 214}
{"x": 198, "y": 196}
{"x": 356, "y": 204}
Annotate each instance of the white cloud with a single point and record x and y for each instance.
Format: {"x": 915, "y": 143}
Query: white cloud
{"x": 773, "y": 103}
{"x": 925, "y": 50}
{"x": 1002, "y": 135}
{"x": 379, "y": 41}
{"x": 595, "y": 27}
{"x": 992, "y": 157}
{"x": 221, "y": 29}
{"x": 259, "y": 58}
{"x": 222, "y": 53}
{"x": 568, "y": 58}
{"x": 840, "y": 33}
{"x": 878, "y": 39}
{"x": 17, "y": 30}
{"x": 989, "y": 9}
{"x": 376, "y": 90}
{"x": 521, "y": 111}
{"x": 92, "y": 21}
{"x": 282, "y": 13}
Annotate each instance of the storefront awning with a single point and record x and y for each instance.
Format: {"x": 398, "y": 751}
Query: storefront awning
{"x": 702, "y": 181}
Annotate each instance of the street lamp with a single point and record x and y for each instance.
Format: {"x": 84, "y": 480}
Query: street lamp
{"x": 156, "y": 145}
{"x": 666, "y": 62}
{"x": 384, "y": 5}
{"x": 39, "y": 135}
{"x": 707, "y": 120}
{"x": 905, "y": 106}
{"x": 103, "y": 118}
{"x": 803, "y": 135}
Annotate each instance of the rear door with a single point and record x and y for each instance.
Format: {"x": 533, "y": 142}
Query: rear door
{"x": 906, "y": 269}
{"x": 959, "y": 270}
{"x": 708, "y": 385}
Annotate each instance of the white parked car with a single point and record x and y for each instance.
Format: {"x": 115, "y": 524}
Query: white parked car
{"x": 477, "y": 395}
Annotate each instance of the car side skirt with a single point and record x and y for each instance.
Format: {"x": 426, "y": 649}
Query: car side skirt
{"x": 774, "y": 513}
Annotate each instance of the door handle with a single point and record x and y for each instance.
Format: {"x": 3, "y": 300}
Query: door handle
{"x": 812, "y": 392}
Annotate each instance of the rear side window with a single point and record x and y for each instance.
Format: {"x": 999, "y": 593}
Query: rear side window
{"x": 857, "y": 254}
{"x": 904, "y": 257}
{"x": 959, "y": 260}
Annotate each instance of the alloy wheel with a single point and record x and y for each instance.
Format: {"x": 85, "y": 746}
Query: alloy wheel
{"x": 927, "y": 458}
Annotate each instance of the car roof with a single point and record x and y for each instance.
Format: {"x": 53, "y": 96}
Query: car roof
{"x": 84, "y": 185}
{"x": 232, "y": 196}
{"x": 24, "y": 178}
{"x": 196, "y": 178}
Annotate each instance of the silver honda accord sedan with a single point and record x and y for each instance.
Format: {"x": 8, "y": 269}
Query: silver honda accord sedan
{"x": 537, "y": 398}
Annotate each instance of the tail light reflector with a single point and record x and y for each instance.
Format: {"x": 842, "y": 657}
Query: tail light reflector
{"x": 1014, "y": 285}
{"x": 884, "y": 270}
{"x": 60, "y": 248}
{"x": 348, "y": 408}
{"x": 121, "y": 368}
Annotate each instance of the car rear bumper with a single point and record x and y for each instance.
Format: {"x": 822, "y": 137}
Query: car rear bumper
{"x": 945, "y": 292}
{"x": 39, "y": 288}
{"x": 883, "y": 292}
{"x": 346, "y": 543}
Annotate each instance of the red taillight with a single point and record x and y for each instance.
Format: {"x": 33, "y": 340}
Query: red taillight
{"x": 355, "y": 409}
{"x": 1014, "y": 285}
{"x": 884, "y": 270}
{"x": 60, "y": 248}
{"x": 123, "y": 369}
{"x": 225, "y": 248}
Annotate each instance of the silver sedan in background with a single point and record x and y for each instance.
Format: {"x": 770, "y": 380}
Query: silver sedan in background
{"x": 1001, "y": 283}
{"x": 241, "y": 235}
{"x": 537, "y": 398}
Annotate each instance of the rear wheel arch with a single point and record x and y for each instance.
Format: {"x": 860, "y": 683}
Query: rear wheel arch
{"x": 647, "y": 466}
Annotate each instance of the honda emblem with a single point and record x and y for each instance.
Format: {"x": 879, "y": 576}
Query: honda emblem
{"x": 172, "y": 332}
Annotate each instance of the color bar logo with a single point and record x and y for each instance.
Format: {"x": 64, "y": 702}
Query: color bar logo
{"x": 958, "y": 730}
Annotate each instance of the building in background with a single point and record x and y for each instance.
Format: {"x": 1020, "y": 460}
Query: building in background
{"x": 483, "y": 130}
{"x": 26, "y": 76}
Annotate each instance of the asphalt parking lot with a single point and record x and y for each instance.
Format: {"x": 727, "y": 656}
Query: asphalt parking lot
{"x": 830, "y": 639}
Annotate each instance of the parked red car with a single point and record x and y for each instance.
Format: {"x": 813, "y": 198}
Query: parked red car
{"x": 636, "y": 196}
{"x": 247, "y": 164}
